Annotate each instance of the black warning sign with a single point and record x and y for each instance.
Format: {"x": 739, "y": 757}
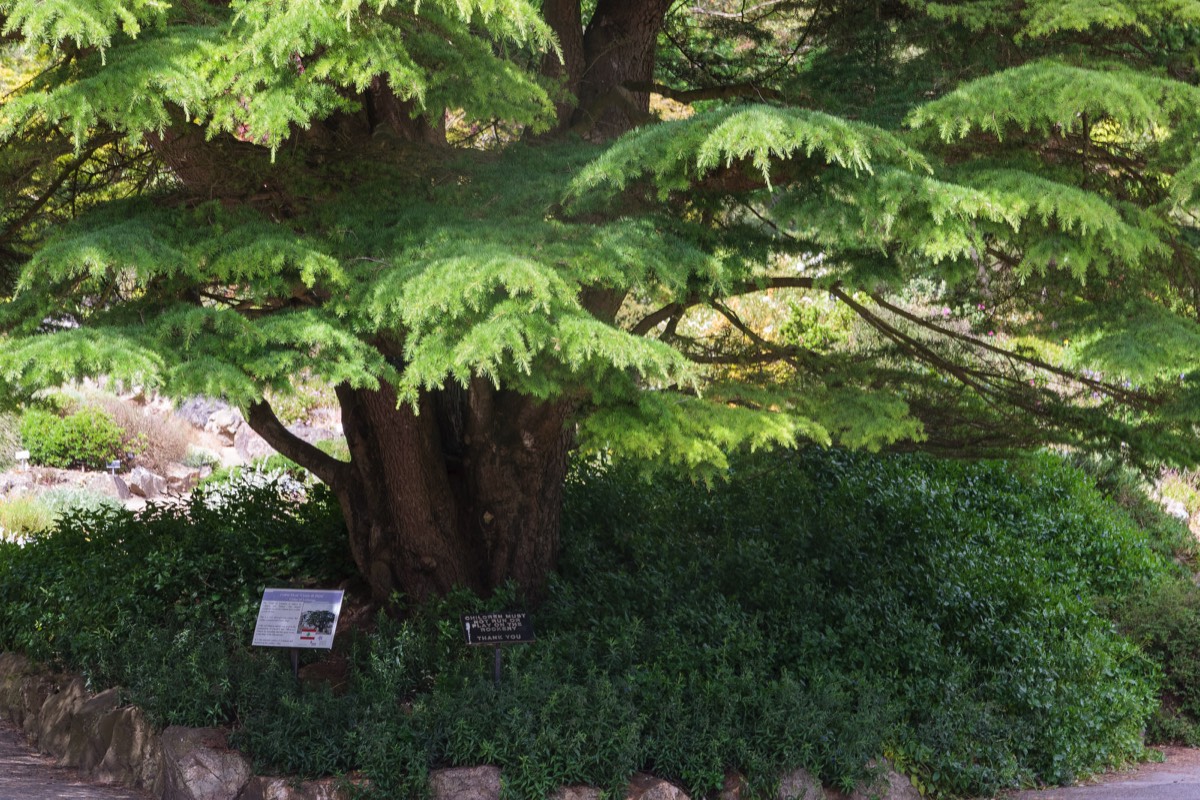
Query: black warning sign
{"x": 505, "y": 627}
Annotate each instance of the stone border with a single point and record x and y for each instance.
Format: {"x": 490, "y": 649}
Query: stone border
{"x": 113, "y": 744}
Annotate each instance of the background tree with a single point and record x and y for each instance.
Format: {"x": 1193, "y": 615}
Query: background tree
{"x": 965, "y": 226}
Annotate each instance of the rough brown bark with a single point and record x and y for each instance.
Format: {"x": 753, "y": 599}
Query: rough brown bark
{"x": 563, "y": 17}
{"x": 466, "y": 493}
{"x": 619, "y": 48}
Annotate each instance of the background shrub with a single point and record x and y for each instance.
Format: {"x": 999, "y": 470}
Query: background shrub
{"x": 87, "y": 438}
{"x": 158, "y": 440}
{"x": 1164, "y": 618}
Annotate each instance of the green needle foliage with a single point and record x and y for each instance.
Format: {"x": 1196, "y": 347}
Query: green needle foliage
{"x": 1001, "y": 195}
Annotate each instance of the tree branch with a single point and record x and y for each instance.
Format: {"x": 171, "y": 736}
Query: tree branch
{"x": 661, "y": 315}
{"x": 262, "y": 419}
{"x": 10, "y": 231}
{"x": 733, "y": 90}
{"x": 1116, "y": 392}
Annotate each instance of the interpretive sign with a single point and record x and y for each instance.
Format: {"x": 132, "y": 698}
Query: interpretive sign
{"x": 512, "y": 627}
{"x": 298, "y": 618}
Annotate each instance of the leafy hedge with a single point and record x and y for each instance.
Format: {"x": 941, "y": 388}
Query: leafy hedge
{"x": 160, "y": 602}
{"x": 87, "y": 438}
{"x": 816, "y": 610}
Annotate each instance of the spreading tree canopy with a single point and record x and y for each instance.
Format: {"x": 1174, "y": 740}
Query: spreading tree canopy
{"x": 506, "y": 229}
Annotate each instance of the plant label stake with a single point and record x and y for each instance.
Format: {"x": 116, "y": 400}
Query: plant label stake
{"x": 297, "y": 619}
{"x": 497, "y": 629}
{"x": 22, "y": 459}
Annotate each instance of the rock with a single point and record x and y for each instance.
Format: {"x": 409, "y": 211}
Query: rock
{"x": 13, "y": 669}
{"x": 260, "y": 788}
{"x": 134, "y": 756}
{"x": 35, "y": 691}
{"x": 734, "y": 786}
{"x": 1177, "y": 510}
{"x": 123, "y": 491}
{"x": 576, "y": 793}
{"x": 88, "y": 739}
{"x": 197, "y": 764}
{"x": 225, "y": 424}
{"x": 250, "y": 445}
{"x": 465, "y": 783}
{"x": 799, "y": 785}
{"x": 648, "y": 787}
{"x": 54, "y": 721}
{"x": 887, "y": 785}
{"x": 198, "y": 410}
{"x": 144, "y": 483}
{"x": 182, "y": 478}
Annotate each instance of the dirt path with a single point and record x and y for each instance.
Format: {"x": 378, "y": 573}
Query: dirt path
{"x": 26, "y": 775}
{"x": 1177, "y": 778}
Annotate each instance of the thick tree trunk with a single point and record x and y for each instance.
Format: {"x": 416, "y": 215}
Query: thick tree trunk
{"x": 619, "y": 48}
{"x": 466, "y": 493}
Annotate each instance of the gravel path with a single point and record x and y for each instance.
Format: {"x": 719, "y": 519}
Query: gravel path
{"x": 1177, "y": 778}
{"x": 26, "y": 775}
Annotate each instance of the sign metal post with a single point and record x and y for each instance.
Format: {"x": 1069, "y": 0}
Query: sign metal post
{"x": 298, "y": 619}
{"x": 495, "y": 630}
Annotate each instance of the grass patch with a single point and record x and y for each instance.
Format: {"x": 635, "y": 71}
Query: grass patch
{"x": 22, "y": 516}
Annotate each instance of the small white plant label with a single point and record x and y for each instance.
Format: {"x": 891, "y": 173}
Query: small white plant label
{"x": 298, "y": 618}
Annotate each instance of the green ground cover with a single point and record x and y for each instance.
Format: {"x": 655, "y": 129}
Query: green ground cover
{"x": 818, "y": 609}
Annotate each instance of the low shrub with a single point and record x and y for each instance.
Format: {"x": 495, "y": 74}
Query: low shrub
{"x": 87, "y": 438}
{"x": 133, "y": 599}
{"x": 159, "y": 440}
{"x": 76, "y": 499}
{"x": 198, "y": 457}
{"x": 1164, "y": 618}
{"x": 819, "y": 609}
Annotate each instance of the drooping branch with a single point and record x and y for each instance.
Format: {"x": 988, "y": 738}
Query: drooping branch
{"x": 9, "y": 233}
{"x": 655, "y": 318}
{"x": 1119, "y": 393}
{"x": 913, "y": 346}
{"x": 262, "y": 419}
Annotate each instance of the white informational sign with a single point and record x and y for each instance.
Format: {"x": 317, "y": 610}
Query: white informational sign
{"x": 298, "y": 618}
